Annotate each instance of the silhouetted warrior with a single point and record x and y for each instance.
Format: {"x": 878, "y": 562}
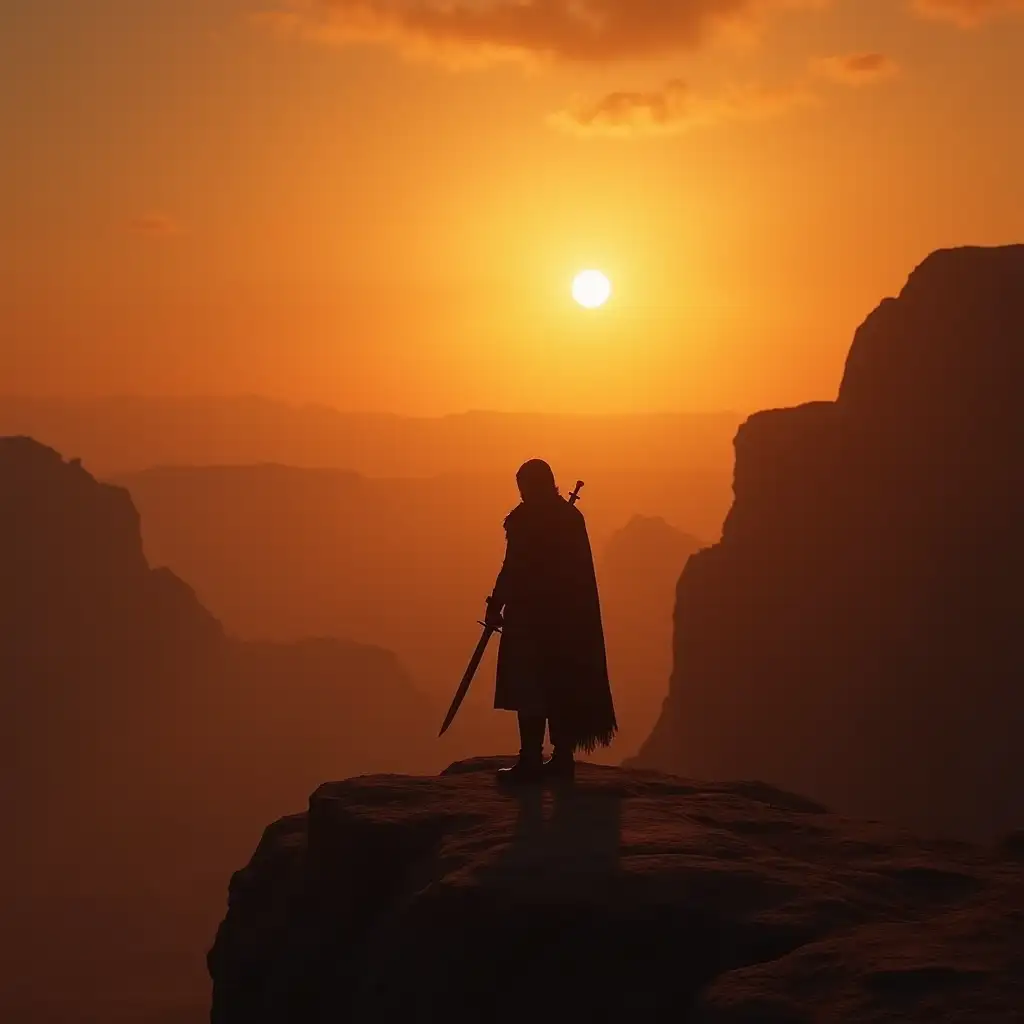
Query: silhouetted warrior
{"x": 552, "y": 668}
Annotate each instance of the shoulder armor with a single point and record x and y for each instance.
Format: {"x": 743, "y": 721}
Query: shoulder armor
{"x": 512, "y": 517}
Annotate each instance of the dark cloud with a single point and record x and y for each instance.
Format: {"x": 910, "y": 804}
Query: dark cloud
{"x": 154, "y": 225}
{"x": 967, "y": 13}
{"x": 856, "y": 68}
{"x": 674, "y": 109}
{"x": 486, "y": 30}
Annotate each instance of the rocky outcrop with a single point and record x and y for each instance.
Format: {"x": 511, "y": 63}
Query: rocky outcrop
{"x": 105, "y": 660}
{"x": 856, "y": 634}
{"x": 141, "y": 749}
{"x": 92, "y": 641}
{"x": 631, "y": 896}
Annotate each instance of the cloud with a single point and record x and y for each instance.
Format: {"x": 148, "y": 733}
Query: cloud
{"x": 855, "y": 68}
{"x": 154, "y": 225}
{"x": 484, "y": 31}
{"x": 967, "y": 13}
{"x": 675, "y": 109}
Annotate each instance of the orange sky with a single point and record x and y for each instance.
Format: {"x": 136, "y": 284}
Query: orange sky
{"x": 381, "y": 205}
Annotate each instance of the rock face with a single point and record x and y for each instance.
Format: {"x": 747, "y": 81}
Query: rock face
{"x": 105, "y": 660}
{"x": 92, "y": 640}
{"x": 141, "y": 750}
{"x": 631, "y": 896}
{"x": 856, "y": 634}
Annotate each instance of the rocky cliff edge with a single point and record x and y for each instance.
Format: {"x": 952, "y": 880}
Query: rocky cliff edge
{"x": 631, "y": 896}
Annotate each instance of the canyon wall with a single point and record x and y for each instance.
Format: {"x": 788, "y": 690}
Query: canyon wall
{"x": 857, "y": 633}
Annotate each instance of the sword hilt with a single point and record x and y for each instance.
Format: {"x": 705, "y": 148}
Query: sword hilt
{"x": 575, "y": 496}
{"x": 493, "y": 629}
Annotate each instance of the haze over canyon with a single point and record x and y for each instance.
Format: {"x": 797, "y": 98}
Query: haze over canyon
{"x": 849, "y": 635}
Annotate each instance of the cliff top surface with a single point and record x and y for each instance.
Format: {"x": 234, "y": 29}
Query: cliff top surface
{"x": 631, "y": 895}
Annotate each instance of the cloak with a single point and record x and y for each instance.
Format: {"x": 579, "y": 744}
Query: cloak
{"x": 551, "y": 658}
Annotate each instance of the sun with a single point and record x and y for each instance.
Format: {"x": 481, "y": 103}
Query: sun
{"x": 591, "y": 289}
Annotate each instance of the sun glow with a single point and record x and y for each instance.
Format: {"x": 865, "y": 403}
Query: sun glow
{"x": 591, "y": 289}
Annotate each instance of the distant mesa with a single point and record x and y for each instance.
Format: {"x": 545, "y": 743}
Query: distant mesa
{"x": 856, "y": 634}
{"x": 648, "y": 548}
{"x": 118, "y": 435}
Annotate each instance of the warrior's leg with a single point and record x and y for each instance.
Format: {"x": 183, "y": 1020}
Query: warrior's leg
{"x": 530, "y": 766}
{"x": 562, "y": 764}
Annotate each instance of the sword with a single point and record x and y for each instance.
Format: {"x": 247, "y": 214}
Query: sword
{"x": 467, "y": 679}
{"x": 481, "y": 647}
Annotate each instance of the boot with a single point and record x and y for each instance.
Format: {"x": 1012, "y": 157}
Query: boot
{"x": 562, "y": 765}
{"x": 529, "y": 769}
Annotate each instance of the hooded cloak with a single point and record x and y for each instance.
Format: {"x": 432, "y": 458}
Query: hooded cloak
{"x": 551, "y": 659}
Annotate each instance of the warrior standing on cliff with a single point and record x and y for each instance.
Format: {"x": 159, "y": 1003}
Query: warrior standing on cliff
{"x": 552, "y": 668}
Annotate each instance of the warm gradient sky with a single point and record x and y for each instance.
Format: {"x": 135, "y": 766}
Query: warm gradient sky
{"x": 381, "y": 203}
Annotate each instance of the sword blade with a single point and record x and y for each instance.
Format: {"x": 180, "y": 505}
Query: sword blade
{"x": 467, "y": 679}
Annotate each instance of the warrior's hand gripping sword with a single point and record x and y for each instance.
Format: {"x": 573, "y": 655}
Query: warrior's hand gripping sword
{"x": 481, "y": 647}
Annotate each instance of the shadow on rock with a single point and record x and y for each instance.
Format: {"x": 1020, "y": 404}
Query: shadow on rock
{"x": 567, "y": 824}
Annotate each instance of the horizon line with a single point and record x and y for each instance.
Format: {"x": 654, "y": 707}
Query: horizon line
{"x": 309, "y": 404}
